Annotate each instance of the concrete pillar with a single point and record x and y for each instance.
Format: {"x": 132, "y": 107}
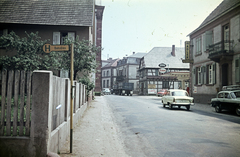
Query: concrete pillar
{"x": 41, "y": 116}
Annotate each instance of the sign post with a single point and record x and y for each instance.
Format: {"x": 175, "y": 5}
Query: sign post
{"x": 47, "y": 48}
{"x": 71, "y": 105}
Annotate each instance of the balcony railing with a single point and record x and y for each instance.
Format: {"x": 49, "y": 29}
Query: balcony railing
{"x": 120, "y": 78}
{"x": 223, "y": 48}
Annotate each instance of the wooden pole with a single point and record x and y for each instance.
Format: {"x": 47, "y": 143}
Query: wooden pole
{"x": 72, "y": 96}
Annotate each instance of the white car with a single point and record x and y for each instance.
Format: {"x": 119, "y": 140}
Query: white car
{"x": 106, "y": 91}
{"x": 177, "y": 97}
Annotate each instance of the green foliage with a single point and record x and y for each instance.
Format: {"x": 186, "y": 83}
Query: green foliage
{"x": 89, "y": 85}
{"x": 30, "y": 55}
{"x": 84, "y": 56}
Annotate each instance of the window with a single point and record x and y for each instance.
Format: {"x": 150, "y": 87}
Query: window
{"x": 107, "y": 83}
{"x": 120, "y": 73}
{"x": 220, "y": 95}
{"x": 165, "y": 85}
{"x": 199, "y": 46}
{"x": 103, "y": 73}
{"x": 226, "y": 37}
{"x": 137, "y": 72}
{"x": 107, "y": 73}
{"x": 152, "y": 72}
{"x": 211, "y": 74}
{"x": 3, "y": 32}
{"x": 58, "y": 37}
{"x": 199, "y": 76}
{"x": 103, "y": 83}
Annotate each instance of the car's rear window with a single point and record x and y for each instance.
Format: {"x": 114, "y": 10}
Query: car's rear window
{"x": 179, "y": 93}
{"x": 236, "y": 94}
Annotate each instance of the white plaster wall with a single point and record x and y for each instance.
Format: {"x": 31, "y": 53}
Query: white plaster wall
{"x": 132, "y": 71}
{"x": 235, "y": 32}
{"x": 217, "y": 34}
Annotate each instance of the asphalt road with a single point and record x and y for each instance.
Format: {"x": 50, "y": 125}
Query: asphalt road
{"x": 148, "y": 129}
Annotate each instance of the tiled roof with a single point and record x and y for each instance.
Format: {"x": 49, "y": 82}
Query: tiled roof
{"x": 163, "y": 55}
{"x": 47, "y": 12}
{"x": 225, "y": 6}
{"x": 113, "y": 63}
{"x": 138, "y": 55}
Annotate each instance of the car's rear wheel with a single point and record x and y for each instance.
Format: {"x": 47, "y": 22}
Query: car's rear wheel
{"x": 188, "y": 108}
{"x": 218, "y": 108}
{"x": 238, "y": 110}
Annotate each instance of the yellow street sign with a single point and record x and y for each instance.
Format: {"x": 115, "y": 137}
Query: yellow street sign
{"x": 47, "y": 48}
{"x": 187, "y": 50}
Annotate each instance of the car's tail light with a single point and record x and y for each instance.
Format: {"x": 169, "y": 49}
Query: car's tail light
{"x": 173, "y": 99}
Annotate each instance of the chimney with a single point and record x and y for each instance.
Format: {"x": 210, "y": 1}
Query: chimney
{"x": 173, "y": 50}
{"x": 133, "y": 53}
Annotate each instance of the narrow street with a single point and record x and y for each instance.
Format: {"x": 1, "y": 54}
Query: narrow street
{"x": 148, "y": 129}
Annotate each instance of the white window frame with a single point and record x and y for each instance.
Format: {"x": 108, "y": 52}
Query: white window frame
{"x": 210, "y": 74}
{"x": 199, "y": 76}
{"x": 56, "y": 38}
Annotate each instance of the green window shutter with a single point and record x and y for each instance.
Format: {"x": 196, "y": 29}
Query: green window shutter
{"x": 193, "y": 76}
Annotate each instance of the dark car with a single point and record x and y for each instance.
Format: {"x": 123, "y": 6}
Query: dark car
{"x": 162, "y": 92}
{"x": 227, "y": 100}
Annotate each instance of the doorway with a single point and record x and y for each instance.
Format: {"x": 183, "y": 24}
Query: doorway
{"x": 225, "y": 74}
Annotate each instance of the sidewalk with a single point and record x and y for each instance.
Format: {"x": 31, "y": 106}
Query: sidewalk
{"x": 96, "y": 134}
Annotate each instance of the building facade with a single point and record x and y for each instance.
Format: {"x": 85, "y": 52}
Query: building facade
{"x": 162, "y": 68}
{"x": 99, "y": 15}
{"x": 109, "y": 73}
{"x": 127, "y": 70}
{"x": 215, "y": 52}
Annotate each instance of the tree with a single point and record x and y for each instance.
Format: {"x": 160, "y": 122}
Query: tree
{"x": 84, "y": 57}
{"x": 30, "y": 55}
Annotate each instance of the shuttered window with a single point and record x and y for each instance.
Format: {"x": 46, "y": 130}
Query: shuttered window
{"x": 58, "y": 37}
{"x": 211, "y": 73}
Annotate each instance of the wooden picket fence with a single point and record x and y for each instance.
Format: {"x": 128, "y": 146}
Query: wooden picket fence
{"x": 15, "y": 105}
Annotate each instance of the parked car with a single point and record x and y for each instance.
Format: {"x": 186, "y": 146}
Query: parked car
{"x": 229, "y": 99}
{"x": 162, "y": 92}
{"x": 106, "y": 91}
{"x": 177, "y": 97}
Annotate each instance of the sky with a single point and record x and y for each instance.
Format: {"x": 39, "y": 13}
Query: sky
{"x": 140, "y": 25}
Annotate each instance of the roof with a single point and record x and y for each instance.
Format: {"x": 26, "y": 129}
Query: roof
{"x": 47, "y": 12}
{"x": 221, "y": 9}
{"x": 113, "y": 63}
{"x": 163, "y": 55}
{"x": 137, "y": 55}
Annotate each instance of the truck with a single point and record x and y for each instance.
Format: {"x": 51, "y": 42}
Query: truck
{"x": 123, "y": 88}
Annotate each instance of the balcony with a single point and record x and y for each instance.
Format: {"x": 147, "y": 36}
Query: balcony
{"x": 221, "y": 49}
{"x": 120, "y": 78}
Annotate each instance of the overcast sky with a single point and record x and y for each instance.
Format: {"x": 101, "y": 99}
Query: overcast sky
{"x": 139, "y": 25}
